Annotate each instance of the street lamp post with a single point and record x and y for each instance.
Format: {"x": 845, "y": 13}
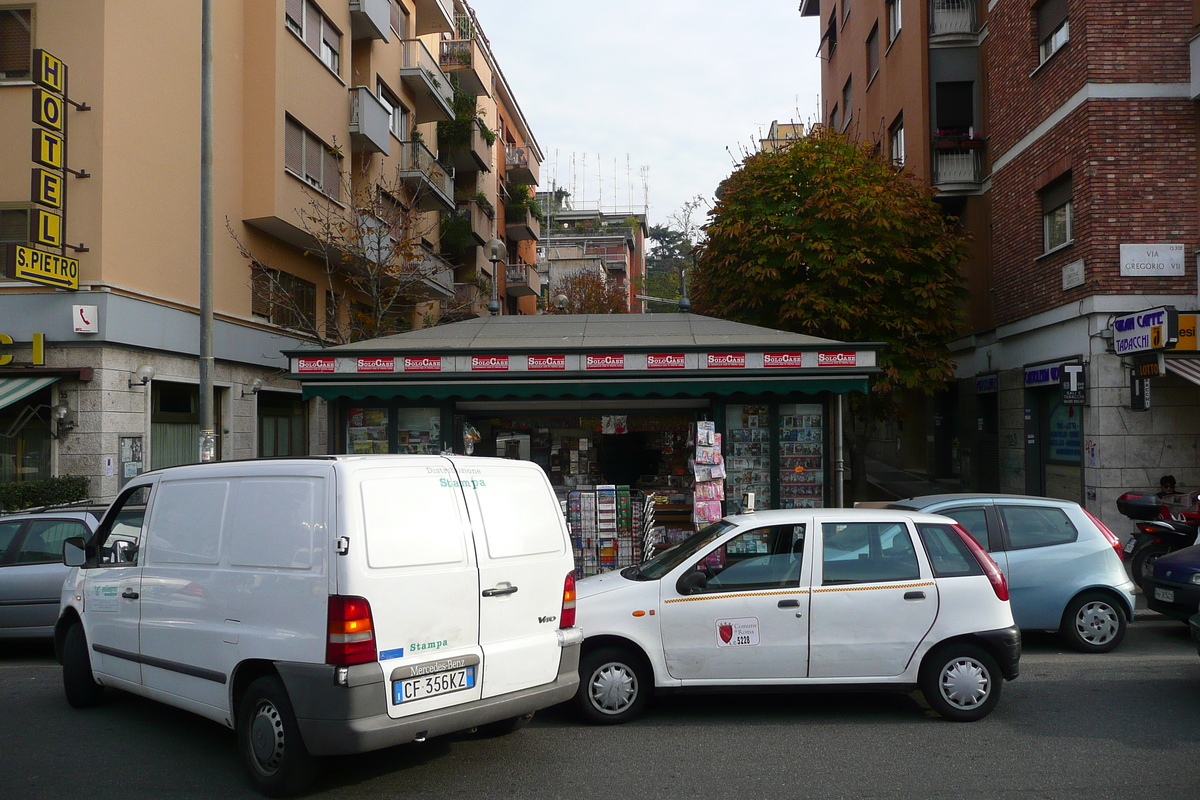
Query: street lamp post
{"x": 497, "y": 253}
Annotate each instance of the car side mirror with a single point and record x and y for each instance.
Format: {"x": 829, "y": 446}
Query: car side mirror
{"x": 691, "y": 583}
{"x": 74, "y": 552}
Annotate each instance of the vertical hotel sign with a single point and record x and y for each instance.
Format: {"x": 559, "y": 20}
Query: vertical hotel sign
{"x": 47, "y": 183}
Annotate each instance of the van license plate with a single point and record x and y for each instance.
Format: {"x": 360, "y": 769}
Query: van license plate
{"x": 1165, "y": 595}
{"x": 419, "y": 688}
{"x": 1130, "y": 544}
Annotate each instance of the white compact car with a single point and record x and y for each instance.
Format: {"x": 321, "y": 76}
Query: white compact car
{"x": 803, "y": 598}
{"x": 324, "y": 606}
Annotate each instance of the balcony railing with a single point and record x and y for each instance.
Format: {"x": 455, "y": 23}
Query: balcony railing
{"x": 462, "y": 56}
{"x": 957, "y": 168}
{"x": 468, "y": 156}
{"x": 522, "y": 280}
{"x": 437, "y": 274}
{"x": 369, "y": 122}
{"x": 520, "y": 225}
{"x": 432, "y": 182}
{"x": 431, "y": 88}
{"x": 478, "y": 218}
{"x": 952, "y": 18}
{"x": 522, "y": 166}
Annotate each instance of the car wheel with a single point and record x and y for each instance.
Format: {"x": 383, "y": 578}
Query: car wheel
{"x": 269, "y": 740}
{"x": 78, "y": 682}
{"x": 504, "y": 727}
{"x": 1141, "y": 566}
{"x": 1093, "y": 623}
{"x": 961, "y": 682}
{"x": 614, "y": 686}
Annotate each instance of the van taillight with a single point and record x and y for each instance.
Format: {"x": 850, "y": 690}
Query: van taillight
{"x": 351, "y": 634}
{"x": 567, "y": 618}
{"x": 1112, "y": 537}
{"x": 990, "y": 567}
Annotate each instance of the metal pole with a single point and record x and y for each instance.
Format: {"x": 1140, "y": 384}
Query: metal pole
{"x": 208, "y": 436}
{"x": 839, "y": 455}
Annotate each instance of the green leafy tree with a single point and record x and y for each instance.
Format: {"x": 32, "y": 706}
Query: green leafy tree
{"x": 671, "y": 255}
{"x": 829, "y": 239}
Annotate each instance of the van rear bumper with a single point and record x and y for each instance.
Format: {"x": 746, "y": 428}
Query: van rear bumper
{"x": 338, "y": 720}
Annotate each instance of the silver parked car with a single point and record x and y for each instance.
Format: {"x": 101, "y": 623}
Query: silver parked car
{"x": 31, "y": 568}
{"x": 1064, "y": 567}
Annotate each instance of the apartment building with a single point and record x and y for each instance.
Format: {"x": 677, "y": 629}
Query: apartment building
{"x": 332, "y": 118}
{"x": 1062, "y": 136}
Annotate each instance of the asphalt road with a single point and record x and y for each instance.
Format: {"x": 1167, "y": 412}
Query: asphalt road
{"x": 1121, "y": 725}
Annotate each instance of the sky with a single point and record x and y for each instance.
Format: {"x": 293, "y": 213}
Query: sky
{"x": 682, "y": 87}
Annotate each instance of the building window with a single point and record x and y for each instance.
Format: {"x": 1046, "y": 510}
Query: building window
{"x": 1053, "y": 28}
{"x": 1058, "y": 219}
{"x": 175, "y": 423}
{"x": 896, "y": 141}
{"x": 847, "y": 108}
{"x": 282, "y": 425}
{"x": 893, "y": 19}
{"x": 305, "y": 19}
{"x": 833, "y": 117}
{"x": 16, "y": 43}
{"x": 845, "y": 10}
{"x": 831, "y": 35}
{"x": 955, "y": 112}
{"x": 310, "y": 159}
{"x": 14, "y": 225}
{"x": 26, "y": 443}
{"x": 399, "y": 19}
{"x": 873, "y": 54}
{"x": 397, "y": 113}
{"x": 283, "y": 299}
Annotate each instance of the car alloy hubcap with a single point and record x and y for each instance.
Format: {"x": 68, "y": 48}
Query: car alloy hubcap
{"x": 266, "y": 737}
{"x": 965, "y": 683}
{"x": 1096, "y": 623}
{"x": 613, "y": 688}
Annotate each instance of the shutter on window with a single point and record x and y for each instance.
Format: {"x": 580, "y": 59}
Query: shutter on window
{"x": 396, "y": 18}
{"x": 332, "y": 37}
{"x": 260, "y": 292}
{"x": 294, "y": 9}
{"x": 312, "y": 158}
{"x": 293, "y": 146}
{"x": 873, "y": 51}
{"x": 1056, "y": 194}
{"x": 312, "y": 27}
{"x": 14, "y": 225}
{"x": 332, "y": 180}
{"x": 1051, "y": 14}
{"x": 15, "y": 43}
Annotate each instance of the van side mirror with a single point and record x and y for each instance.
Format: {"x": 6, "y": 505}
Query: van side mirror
{"x": 74, "y": 552}
{"x": 691, "y": 582}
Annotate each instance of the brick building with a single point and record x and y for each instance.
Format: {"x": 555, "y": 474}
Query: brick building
{"x": 1062, "y": 133}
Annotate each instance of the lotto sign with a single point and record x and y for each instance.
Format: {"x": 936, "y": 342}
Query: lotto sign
{"x": 737, "y": 632}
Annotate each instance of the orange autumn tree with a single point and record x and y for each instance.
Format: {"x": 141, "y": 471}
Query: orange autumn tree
{"x": 588, "y": 292}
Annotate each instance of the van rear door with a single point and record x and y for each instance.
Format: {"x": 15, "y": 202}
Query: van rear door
{"x": 418, "y": 572}
{"x": 522, "y": 545}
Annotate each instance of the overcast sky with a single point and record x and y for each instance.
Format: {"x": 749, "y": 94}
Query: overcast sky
{"x": 675, "y": 85}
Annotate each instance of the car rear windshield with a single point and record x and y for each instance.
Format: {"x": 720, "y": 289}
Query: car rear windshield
{"x": 948, "y": 554}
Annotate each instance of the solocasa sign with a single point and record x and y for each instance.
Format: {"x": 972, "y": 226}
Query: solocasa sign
{"x": 1146, "y": 331}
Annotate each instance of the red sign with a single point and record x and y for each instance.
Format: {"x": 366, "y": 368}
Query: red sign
{"x": 793, "y": 360}
{"x": 665, "y": 361}
{"x": 426, "y": 364}
{"x": 489, "y": 362}
{"x": 845, "y": 358}
{"x": 546, "y": 362}
{"x": 377, "y": 365}
{"x": 605, "y": 362}
{"x": 726, "y": 360}
{"x": 315, "y": 365}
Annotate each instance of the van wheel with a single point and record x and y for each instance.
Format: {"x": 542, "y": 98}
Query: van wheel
{"x": 1093, "y": 623}
{"x": 614, "y": 686}
{"x": 504, "y": 727}
{"x": 961, "y": 682}
{"x": 269, "y": 740}
{"x": 79, "y": 684}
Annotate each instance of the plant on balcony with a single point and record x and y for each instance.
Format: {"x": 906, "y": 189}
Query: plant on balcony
{"x": 456, "y": 235}
{"x": 956, "y": 138}
{"x": 457, "y": 133}
{"x": 521, "y": 201}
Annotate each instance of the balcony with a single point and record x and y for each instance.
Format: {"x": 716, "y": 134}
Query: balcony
{"x": 431, "y": 183}
{"x": 520, "y": 225}
{"x": 430, "y": 86}
{"x": 469, "y": 301}
{"x": 957, "y": 170}
{"x": 464, "y": 59}
{"x": 437, "y": 275}
{"x": 474, "y": 155}
{"x": 952, "y": 22}
{"x": 370, "y": 19}
{"x": 434, "y": 16}
{"x": 480, "y": 219}
{"x": 522, "y": 280}
{"x": 521, "y": 164}
{"x": 369, "y": 122}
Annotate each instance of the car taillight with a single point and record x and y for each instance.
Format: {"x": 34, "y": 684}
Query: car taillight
{"x": 1108, "y": 534}
{"x": 566, "y": 619}
{"x": 351, "y": 632}
{"x": 990, "y": 567}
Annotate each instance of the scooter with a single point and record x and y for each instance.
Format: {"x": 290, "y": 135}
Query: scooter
{"x": 1164, "y": 525}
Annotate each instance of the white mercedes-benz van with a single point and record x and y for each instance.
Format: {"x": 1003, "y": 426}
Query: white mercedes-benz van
{"x": 323, "y": 606}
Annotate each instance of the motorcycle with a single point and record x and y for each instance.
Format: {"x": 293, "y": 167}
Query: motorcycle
{"x": 1164, "y": 524}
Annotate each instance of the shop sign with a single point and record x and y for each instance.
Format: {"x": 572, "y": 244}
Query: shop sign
{"x": 424, "y": 364}
{"x": 1074, "y": 389}
{"x": 1155, "y": 329}
{"x": 1139, "y": 392}
{"x": 1149, "y": 365}
{"x": 39, "y": 350}
{"x": 537, "y": 363}
{"x": 666, "y": 361}
{"x": 793, "y": 360}
{"x": 726, "y": 360}
{"x": 1151, "y": 260}
{"x": 376, "y": 365}
{"x": 1187, "y": 332}
{"x": 1041, "y": 376}
{"x": 605, "y": 362}
{"x": 846, "y": 358}
{"x": 316, "y": 365}
{"x": 987, "y": 384}
{"x": 49, "y": 269}
{"x": 489, "y": 363}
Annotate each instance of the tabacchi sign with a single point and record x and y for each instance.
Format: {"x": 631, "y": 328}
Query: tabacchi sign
{"x": 1154, "y": 329}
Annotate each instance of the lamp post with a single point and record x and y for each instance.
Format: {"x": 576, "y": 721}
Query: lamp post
{"x": 208, "y": 435}
{"x": 496, "y": 253}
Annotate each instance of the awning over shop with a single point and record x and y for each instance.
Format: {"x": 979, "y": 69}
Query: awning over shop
{"x": 1187, "y": 368}
{"x": 13, "y": 390}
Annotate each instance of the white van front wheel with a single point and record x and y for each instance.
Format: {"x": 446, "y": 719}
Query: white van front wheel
{"x": 269, "y": 740}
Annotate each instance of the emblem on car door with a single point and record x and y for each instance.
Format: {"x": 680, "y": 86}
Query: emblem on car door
{"x": 544, "y": 620}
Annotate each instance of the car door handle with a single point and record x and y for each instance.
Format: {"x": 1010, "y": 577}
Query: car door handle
{"x": 129, "y": 594}
{"x": 500, "y": 592}
{"x": 793, "y": 603}
{"x": 914, "y": 595}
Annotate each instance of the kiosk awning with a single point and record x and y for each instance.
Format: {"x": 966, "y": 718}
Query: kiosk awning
{"x": 1187, "y": 368}
{"x": 13, "y": 390}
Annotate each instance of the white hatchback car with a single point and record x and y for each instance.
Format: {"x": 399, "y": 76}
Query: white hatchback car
{"x": 803, "y": 598}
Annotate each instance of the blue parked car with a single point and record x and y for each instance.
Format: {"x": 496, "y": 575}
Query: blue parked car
{"x": 1174, "y": 587}
{"x": 1064, "y": 567}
